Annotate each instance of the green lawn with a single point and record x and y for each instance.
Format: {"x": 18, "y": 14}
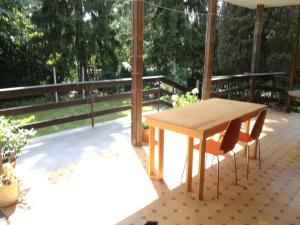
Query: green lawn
{"x": 74, "y": 110}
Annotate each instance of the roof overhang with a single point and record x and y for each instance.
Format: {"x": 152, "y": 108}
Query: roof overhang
{"x": 252, "y": 4}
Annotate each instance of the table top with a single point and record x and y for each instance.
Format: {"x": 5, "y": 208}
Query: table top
{"x": 202, "y": 117}
{"x": 295, "y": 93}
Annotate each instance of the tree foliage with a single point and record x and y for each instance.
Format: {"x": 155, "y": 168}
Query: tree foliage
{"x": 174, "y": 39}
{"x": 36, "y": 35}
{"x": 20, "y": 61}
{"x": 235, "y": 39}
{"x": 235, "y": 35}
{"x": 77, "y": 34}
{"x": 278, "y": 38}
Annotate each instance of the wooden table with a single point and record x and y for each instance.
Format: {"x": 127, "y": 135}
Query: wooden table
{"x": 199, "y": 120}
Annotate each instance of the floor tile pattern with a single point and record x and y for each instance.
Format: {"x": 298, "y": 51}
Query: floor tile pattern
{"x": 116, "y": 189}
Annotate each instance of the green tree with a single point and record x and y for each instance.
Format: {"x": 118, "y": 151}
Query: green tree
{"x": 76, "y": 34}
{"x": 235, "y": 39}
{"x": 278, "y": 38}
{"x": 20, "y": 62}
{"x": 174, "y": 38}
{"x": 235, "y": 35}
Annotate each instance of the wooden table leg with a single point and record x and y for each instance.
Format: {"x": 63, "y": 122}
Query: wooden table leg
{"x": 247, "y": 130}
{"x": 201, "y": 168}
{"x": 189, "y": 167}
{"x": 151, "y": 150}
{"x": 161, "y": 154}
{"x": 255, "y": 149}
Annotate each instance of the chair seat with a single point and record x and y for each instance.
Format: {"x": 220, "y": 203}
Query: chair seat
{"x": 212, "y": 147}
{"x": 244, "y": 137}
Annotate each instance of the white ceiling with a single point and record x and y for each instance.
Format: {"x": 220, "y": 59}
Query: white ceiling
{"x": 267, "y": 3}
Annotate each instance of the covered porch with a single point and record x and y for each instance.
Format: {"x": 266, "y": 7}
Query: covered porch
{"x": 100, "y": 177}
{"x": 83, "y": 177}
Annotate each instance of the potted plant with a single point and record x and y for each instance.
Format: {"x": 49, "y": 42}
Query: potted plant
{"x": 145, "y": 132}
{"x": 9, "y": 185}
{"x": 12, "y": 140}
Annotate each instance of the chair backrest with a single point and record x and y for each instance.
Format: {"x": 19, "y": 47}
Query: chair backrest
{"x": 259, "y": 123}
{"x": 231, "y": 135}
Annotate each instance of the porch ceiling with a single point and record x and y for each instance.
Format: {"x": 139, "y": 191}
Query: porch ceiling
{"x": 267, "y": 3}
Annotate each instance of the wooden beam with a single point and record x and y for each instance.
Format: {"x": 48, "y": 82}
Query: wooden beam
{"x": 256, "y": 48}
{"x": 294, "y": 63}
{"x": 209, "y": 48}
{"x": 137, "y": 71}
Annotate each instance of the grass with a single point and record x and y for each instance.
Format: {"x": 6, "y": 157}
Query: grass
{"x": 75, "y": 110}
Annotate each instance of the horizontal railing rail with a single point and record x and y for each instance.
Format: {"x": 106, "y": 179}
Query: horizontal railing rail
{"x": 269, "y": 88}
{"x": 247, "y": 76}
{"x": 16, "y": 92}
{"x": 152, "y": 96}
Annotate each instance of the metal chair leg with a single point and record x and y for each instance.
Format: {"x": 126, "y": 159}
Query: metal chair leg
{"x": 212, "y": 161}
{"x": 218, "y": 168}
{"x": 183, "y": 169}
{"x": 259, "y": 154}
{"x": 235, "y": 168}
{"x": 247, "y": 161}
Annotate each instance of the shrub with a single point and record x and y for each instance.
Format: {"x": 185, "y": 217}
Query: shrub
{"x": 185, "y": 99}
{"x": 13, "y": 138}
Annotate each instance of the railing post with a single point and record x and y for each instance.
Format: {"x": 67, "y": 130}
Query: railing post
{"x": 55, "y": 82}
{"x": 158, "y": 96}
{"x": 231, "y": 86}
{"x": 83, "y": 90}
{"x": 173, "y": 90}
{"x": 91, "y": 101}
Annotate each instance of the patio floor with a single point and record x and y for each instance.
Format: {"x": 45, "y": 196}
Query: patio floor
{"x": 94, "y": 176}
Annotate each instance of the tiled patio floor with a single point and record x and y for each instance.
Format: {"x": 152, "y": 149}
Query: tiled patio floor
{"x": 94, "y": 176}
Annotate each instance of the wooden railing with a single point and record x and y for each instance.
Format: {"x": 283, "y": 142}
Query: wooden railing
{"x": 270, "y": 88}
{"x": 92, "y": 90}
{"x": 294, "y": 102}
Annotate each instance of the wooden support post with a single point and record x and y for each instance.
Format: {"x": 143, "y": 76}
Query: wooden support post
{"x": 256, "y": 49}
{"x": 1, "y": 165}
{"x": 137, "y": 71}
{"x": 209, "y": 48}
{"x": 294, "y": 63}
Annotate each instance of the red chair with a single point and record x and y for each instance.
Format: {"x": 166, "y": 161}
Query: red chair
{"x": 254, "y": 135}
{"x": 228, "y": 143}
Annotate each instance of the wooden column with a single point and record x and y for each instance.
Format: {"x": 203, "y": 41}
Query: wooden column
{"x": 137, "y": 71}
{"x": 256, "y": 48}
{"x": 1, "y": 164}
{"x": 209, "y": 48}
{"x": 294, "y": 63}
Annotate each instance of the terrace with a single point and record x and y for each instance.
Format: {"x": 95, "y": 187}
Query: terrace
{"x": 95, "y": 176}
{"x": 99, "y": 174}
